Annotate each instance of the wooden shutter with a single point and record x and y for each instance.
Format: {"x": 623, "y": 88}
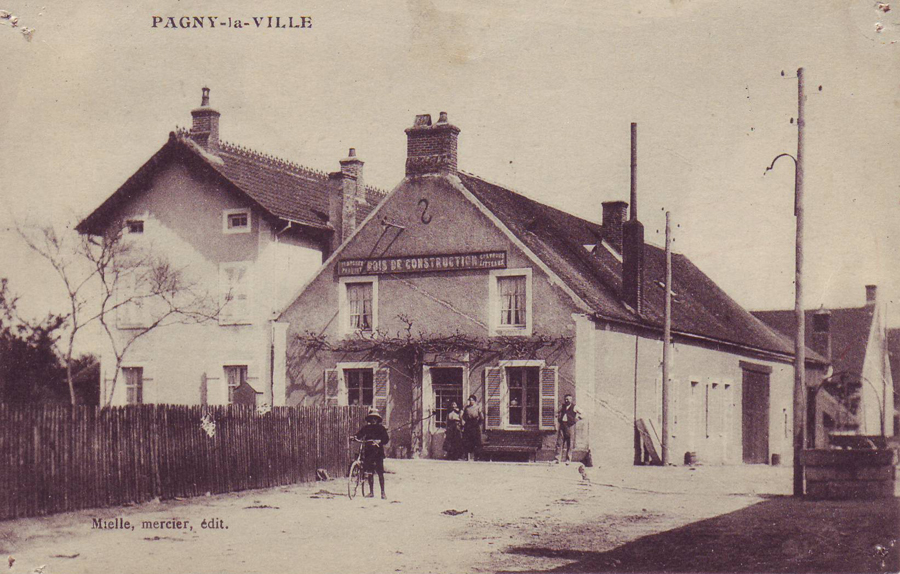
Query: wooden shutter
{"x": 494, "y": 397}
{"x": 332, "y": 387}
{"x": 549, "y": 383}
{"x": 382, "y": 384}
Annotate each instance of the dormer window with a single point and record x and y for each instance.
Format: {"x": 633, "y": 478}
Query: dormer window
{"x": 236, "y": 221}
{"x": 134, "y": 226}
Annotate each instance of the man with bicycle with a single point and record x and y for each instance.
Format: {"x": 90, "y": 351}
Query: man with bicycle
{"x": 375, "y": 438}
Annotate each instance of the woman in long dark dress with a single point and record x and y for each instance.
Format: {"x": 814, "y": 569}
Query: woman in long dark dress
{"x": 472, "y": 418}
{"x": 453, "y": 444}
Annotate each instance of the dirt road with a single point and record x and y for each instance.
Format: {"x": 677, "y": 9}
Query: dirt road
{"x": 504, "y": 518}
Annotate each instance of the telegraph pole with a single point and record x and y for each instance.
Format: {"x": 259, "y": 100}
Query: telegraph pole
{"x": 800, "y": 339}
{"x": 667, "y": 336}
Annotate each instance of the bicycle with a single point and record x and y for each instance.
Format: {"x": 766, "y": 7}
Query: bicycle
{"x": 358, "y": 473}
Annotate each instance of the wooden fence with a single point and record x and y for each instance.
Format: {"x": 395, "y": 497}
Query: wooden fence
{"x": 62, "y": 458}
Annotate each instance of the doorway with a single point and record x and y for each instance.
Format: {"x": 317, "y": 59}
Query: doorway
{"x": 755, "y": 415}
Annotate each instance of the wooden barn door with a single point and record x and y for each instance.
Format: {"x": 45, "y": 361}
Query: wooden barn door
{"x": 755, "y": 417}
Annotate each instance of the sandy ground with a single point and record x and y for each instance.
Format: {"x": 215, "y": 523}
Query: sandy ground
{"x": 509, "y": 518}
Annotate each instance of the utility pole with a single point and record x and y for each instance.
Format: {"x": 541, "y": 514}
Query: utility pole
{"x": 800, "y": 339}
{"x": 667, "y": 336}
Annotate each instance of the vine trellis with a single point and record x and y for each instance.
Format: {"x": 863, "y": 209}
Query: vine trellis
{"x": 411, "y": 346}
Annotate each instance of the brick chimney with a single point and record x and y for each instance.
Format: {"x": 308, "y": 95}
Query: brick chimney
{"x": 820, "y": 338}
{"x": 871, "y": 294}
{"x": 633, "y": 243}
{"x": 614, "y": 214}
{"x": 353, "y": 191}
{"x": 205, "y": 127}
{"x": 431, "y": 148}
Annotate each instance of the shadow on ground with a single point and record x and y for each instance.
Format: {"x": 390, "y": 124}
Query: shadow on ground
{"x": 780, "y": 534}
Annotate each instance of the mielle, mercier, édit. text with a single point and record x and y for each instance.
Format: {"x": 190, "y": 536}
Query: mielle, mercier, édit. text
{"x": 203, "y": 22}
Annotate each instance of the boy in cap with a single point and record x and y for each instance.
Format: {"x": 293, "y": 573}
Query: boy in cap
{"x": 375, "y": 437}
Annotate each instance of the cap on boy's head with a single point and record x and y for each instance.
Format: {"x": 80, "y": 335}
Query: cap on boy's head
{"x": 373, "y": 415}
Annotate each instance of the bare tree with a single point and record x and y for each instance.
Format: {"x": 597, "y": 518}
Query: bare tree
{"x": 63, "y": 251}
{"x": 111, "y": 277}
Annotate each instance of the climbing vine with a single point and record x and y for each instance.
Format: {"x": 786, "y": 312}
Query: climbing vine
{"x": 411, "y": 346}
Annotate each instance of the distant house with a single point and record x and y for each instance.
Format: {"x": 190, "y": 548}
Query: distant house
{"x": 860, "y": 392}
{"x": 455, "y": 286}
{"x": 250, "y": 229}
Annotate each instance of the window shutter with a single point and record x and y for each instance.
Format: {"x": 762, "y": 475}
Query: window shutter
{"x": 381, "y": 384}
{"x": 494, "y": 397}
{"x": 549, "y": 393}
{"x": 332, "y": 387}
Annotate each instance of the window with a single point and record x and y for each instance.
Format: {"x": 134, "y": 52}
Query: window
{"x": 447, "y": 386}
{"x": 235, "y": 376}
{"x": 134, "y": 385}
{"x": 134, "y": 226}
{"x": 236, "y": 221}
{"x": 133, "y": 301}
{"x": 358, "y": 301}
{"x": 524, "y": 395}
{"x": 234, "y": 293}
{"x": 510, "y": 302}
{"x": 360, "y": 387}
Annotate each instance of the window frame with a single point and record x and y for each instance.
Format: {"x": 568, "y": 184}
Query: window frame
{"x": 135, "y": 220}
{"x": 125, "y": 385}
{"x": 344, "y": 304}
{"x": 504, "y": 405}
{"x": 362, "y": 385}
{"x": 229, "y": 319}
{"x": 343, "y": 395}
{"x": 433, "y": 405}
{"x": 495, "y": 304}
{"x": 226, "y": 218}
{"x": 229, "y": 388}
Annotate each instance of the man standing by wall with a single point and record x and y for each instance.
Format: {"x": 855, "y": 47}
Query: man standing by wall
{"x": 567, "y": 417}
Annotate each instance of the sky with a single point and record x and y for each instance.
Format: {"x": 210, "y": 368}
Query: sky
{"x": 543, "y": 94}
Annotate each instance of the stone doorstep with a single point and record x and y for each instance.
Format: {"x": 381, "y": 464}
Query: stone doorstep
{"x": 846, "y": 490}
{"x": 847, "y": 458}
{"x": 860, "y": 473}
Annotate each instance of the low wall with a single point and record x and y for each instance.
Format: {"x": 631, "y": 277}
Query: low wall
{"x": 849, "y": 474}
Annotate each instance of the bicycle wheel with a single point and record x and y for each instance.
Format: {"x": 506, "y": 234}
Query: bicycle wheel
{"x": 354, "y": 479}
{"x": 364, "y": 481}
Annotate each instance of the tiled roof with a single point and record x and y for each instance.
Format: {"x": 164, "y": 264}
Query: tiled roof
{"x": 849, "y": 333}
{"x": 284, "y": 189}
{"x": 699, "y": 307}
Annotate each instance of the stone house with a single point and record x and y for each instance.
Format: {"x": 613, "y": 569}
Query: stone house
{"x": 454, "y": 285}
{"x": 250, "y": 229}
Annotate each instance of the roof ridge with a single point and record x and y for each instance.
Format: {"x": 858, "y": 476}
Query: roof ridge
{"x": 520, "y": 194}
{"x": 265, "y": 159}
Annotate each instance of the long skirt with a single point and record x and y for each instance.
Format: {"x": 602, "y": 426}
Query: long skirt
{"x": 453, "y": 442}
{"x": 472, "y": 437}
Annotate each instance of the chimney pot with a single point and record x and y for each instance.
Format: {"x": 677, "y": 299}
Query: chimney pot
{"x": 205, "y": 126}
{"x": 871, "y": 293}
{"x": 431, "y": 149}
{"x": 352, "y": 152}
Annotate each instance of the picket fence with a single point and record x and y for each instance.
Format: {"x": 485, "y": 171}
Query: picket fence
{"x": 62, "y": 458}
